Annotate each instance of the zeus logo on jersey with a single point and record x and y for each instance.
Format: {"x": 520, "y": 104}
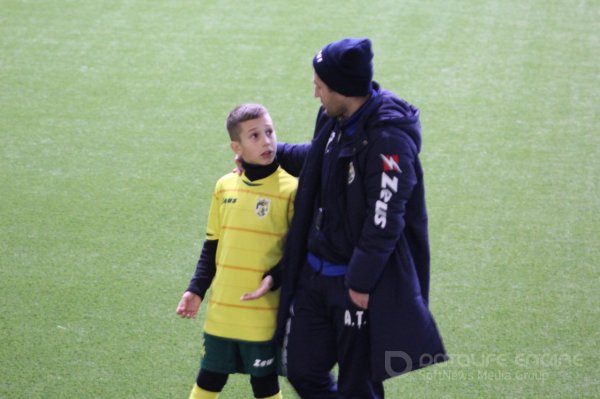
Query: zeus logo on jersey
{"x": 389, "y": 187}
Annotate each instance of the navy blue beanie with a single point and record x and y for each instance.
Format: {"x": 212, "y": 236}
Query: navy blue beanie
{"x": 346, "y": 66}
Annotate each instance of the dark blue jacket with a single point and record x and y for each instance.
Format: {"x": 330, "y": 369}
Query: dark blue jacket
{"x": 382, "y": 200}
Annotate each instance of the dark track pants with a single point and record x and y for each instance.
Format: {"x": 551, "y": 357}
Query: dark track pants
{"x": 327, "y": 328}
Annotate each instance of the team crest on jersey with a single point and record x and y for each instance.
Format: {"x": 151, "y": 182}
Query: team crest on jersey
{"x": 262, "y": 207}
{"x": 351, "y": 173}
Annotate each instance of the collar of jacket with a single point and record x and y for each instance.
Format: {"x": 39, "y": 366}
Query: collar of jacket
{"x": 358, "y": 138}
{"x": 350, "y": 125}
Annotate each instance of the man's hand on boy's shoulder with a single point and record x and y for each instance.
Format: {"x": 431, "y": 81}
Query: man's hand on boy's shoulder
{"x": 239, "y": 169}
{"x": 188, "y": 305}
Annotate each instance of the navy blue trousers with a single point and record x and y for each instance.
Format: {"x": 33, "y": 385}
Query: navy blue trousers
{"x": 327, "y": 328}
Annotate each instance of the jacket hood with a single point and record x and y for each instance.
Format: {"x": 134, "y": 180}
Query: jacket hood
{"x": 397, "y": 112}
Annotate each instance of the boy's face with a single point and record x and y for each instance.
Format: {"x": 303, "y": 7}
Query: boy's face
{"x": 258, "y": 142}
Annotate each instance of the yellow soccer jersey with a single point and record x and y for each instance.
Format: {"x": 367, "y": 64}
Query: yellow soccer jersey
{"x": 250, "y": 220}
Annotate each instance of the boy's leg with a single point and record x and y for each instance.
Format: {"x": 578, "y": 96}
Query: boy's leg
{"x": 266, "y": 387}
{"x": 199, "y": 393}
{"x": 259, "y": 360}
{"x": 310, "y": 341}
{"x": 208, "y": 385}
{"x": 218, "y": 362}
{"x": 211, "y": 381}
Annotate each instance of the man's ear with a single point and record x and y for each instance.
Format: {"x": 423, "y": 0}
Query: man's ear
{"x": 236, "y": 147}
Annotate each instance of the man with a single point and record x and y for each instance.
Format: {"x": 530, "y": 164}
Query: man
{"x": 355, "y": 281}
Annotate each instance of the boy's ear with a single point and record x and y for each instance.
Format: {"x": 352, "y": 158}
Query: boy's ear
{"x": 236, "y": 147}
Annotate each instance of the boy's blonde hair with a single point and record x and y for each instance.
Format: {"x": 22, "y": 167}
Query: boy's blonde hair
{"x": 242, "y": 113}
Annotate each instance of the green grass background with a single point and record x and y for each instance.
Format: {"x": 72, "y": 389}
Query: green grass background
{"x": 111, "y": 128}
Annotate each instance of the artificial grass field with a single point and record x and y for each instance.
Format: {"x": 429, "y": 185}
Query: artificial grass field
{"x": 112, "y": 136}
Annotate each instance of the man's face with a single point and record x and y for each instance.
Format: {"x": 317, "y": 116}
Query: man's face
{"x": 333, "y": 102}
{"x": 258, "y": 141}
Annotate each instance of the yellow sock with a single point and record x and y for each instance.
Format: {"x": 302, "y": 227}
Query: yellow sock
{"x": 199, "y": 393}
{"x": 276, "y": 396}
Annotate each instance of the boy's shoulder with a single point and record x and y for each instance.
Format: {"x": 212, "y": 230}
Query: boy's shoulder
{"x": 286, "y": 182}
{"x": 281, "y": 179}
{"x": 285, "y": 175}
{"x": 229, "y": 177}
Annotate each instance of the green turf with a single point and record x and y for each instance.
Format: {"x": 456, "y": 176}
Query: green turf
{"x": 111, "y": 128}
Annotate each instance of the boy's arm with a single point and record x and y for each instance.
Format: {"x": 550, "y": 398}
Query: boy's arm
{"x": 275, "y": 273}
{"x": 270, "y": 282}
{"x": 205, "y": 269}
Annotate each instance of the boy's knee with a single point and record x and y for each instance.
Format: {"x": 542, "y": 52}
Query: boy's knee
{"x": 265, "y": 387}
{"x": 210, "y": 381}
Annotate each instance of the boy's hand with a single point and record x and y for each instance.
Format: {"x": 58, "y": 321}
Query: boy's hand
{"x": 189, "y": 305}
{"x": 265, "y": 286}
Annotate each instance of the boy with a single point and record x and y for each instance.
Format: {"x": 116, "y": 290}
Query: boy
{"x": 248, "y": 220}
